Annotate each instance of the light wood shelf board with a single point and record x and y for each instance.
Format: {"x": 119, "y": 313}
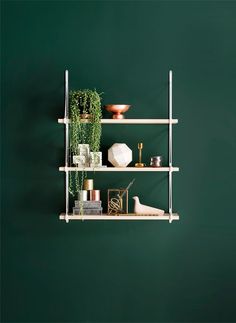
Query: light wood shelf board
{"x": 120, "y": 169}
{"x": 128, "y": 121}
{"x": 130, "y": 216}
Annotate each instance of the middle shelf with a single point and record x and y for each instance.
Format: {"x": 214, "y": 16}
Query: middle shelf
{"x": 119, "y": 169}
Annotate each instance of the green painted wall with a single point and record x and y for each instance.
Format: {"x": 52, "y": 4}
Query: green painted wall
{"x": 120, "y": 271}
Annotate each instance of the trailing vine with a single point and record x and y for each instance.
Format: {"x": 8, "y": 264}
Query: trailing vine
{"x": 83, "y": 102}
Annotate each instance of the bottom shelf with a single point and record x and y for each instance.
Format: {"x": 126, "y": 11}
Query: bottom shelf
{"x": 130, "y": 216}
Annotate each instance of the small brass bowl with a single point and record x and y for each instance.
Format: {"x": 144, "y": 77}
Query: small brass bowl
{"x": 85, "y": 116}
{"x": 117, "y": 110}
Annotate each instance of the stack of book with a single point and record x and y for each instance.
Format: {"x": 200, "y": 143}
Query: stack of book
{"x": 87, "y": 208}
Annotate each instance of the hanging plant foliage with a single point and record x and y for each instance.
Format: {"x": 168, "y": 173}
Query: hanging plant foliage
{"x": 85, "y": 127}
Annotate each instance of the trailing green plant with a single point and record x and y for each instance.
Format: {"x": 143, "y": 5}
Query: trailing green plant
{"x": 85, "y": 102}
{"x": 84, "y": 131}
{"x": 76, "y": 180}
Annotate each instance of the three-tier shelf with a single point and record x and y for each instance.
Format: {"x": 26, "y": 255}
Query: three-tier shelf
{"x": 170, "y": 216}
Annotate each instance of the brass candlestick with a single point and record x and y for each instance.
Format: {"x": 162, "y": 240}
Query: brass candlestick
{"x": 140, "y": 147}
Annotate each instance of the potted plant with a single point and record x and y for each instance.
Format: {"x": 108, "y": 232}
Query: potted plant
{"x": 85, "y": 127}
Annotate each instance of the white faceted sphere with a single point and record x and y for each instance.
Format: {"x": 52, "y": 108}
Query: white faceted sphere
{"x": 119, "y": 155}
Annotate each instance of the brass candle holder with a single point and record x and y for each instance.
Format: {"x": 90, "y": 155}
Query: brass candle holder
{"x": 140, "y": 164}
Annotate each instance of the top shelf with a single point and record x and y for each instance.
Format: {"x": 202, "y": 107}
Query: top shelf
{"x": 127, "y": 121}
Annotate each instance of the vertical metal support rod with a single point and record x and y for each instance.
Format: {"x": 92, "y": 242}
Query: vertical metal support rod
{"x": 66, "y": 117}
{"x": 170, "y": 145}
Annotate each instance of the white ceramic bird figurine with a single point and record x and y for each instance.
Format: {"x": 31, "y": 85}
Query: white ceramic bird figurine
{"x": 145, "y": 209}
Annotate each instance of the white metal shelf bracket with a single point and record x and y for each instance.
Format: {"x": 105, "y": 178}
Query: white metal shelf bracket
{"x": 66, "y": 116}
{"x": 170, "y": 147}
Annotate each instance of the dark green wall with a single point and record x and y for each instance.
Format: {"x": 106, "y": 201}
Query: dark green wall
{"x": 120, "y": 271}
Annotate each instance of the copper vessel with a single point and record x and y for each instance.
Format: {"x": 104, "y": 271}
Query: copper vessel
{"x": 94, "y": 195}
{"x": 117, "y": 110}
{"x": 156, "y": 161}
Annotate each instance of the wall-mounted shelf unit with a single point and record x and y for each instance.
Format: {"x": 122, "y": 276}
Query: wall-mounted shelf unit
{"x": 170, "y": 216}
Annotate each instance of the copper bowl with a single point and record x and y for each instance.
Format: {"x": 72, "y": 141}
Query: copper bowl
{"x": 117, "y": 110}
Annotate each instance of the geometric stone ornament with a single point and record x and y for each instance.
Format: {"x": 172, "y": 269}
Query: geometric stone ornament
{"x": 119, "y": 155}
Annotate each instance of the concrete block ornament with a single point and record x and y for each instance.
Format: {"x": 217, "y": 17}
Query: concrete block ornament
{"x": 84, "y": 150}
{"x": 119, "y": 155}
{"x": 79, "y": 161}
{"x": 96, "y": 159}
